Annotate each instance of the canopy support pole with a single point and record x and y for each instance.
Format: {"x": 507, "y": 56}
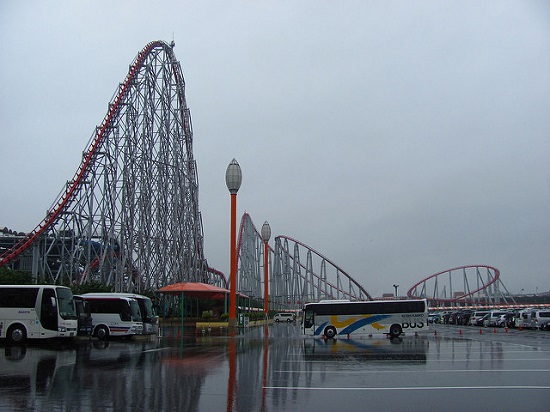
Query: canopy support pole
{"x": 182, "y": 313}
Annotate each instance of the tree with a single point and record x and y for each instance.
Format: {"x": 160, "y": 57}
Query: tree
{"x": 14, "y": 277}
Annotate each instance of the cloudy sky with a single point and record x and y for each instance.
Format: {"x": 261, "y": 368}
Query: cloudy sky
{"x": 397, "y": 138}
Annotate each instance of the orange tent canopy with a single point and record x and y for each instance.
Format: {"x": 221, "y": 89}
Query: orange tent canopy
{"x": 196, "y": 290}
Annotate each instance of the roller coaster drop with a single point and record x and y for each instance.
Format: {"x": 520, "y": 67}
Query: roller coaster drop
{"x": 129, "y": 217}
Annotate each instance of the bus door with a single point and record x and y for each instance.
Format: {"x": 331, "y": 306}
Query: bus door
{"x": 309, "y": 320}
{"x": 48, "y": 310}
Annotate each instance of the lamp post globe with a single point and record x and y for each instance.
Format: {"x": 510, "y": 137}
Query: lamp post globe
{"x": 233, "y": 177}
{"x": 266, "y": 232}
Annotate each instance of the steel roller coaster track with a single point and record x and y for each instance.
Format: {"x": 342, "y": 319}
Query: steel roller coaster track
{"x": 129, "y": 217}
{"x": 463, "y": 285}
{"x": 292, "y": 282}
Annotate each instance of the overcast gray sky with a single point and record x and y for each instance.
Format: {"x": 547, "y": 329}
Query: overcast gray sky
{"x": 397, "y": 138}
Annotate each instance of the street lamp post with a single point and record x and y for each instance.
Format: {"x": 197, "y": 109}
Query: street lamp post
{"x": 233, "y": 179}
{"x": 396, "y": 287}
{"x": 266, "y": 234}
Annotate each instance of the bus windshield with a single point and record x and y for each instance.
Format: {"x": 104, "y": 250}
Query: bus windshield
{"x": 146, "y": 309}
{"x": 134, "y": 311}
{"x": 65, "y": 301}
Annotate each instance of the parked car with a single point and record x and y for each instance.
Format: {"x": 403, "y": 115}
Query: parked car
{"x": 452, "y": 318}
{"x": 445, "y": 317}
{"x": 541, "y": 317}
{"x": 478, "y": 314}
{"x": 545, "y": 325}
{"x": 480, "y": 321}
{"x": 434, "y": 318}
{"x": 463, "y": 317}
{"x": 524, "y": 319}
{"x": 284, "y": 317}
{"x": 505, "y": 320}
{"x": 492, "y": 318}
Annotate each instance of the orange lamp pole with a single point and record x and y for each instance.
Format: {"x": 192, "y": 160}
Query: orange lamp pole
{"x": 233, "y": 179}
{"x": 266, "y": 234}
{"x": 233, "y": 262}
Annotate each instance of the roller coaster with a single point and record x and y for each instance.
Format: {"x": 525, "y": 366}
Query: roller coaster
{"x": 129, "y": 217}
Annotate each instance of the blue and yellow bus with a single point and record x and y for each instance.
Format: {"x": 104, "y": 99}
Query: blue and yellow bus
{"x": 330, "y": 319}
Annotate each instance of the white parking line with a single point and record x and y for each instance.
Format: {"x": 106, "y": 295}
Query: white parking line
{"x": 155, "y": 350}
{"x": 406, "y": 388}
{"x": 364, "y": 372}
{"x": 351, "y": 361}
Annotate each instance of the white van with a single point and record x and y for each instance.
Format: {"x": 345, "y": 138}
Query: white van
{"x": 540, "y": 317}
{"x": 493, "y": 317}
{"x": 524, "y": 319}
{"x": 478, "y": 314}
{"x": 284, "y": 317}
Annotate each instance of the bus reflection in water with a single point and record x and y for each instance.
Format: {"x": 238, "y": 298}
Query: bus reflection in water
{"x": 35, "y": 370}
{"x": 413, "y": 350}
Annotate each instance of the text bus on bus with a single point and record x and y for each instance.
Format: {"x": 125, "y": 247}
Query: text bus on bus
{"x": 36, "y": 312}
{"x": 114, "y": 315}
{"x": 389, "y": 317}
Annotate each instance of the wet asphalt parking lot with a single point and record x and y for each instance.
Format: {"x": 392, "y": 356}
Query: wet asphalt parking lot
{"x": 273, "y": 368}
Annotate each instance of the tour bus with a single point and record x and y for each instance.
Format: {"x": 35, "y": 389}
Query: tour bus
{"x": 114, "y": 315}
{"x": 36, "y": 312}
{"x": 390, "y": 317}
{"x": 149, "y": 318}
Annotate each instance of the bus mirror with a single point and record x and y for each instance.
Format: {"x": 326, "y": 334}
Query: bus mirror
{"x": 54, "y": 302}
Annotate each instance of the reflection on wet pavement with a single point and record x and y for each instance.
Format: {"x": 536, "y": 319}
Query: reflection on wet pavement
{"x": 267, "y": 368}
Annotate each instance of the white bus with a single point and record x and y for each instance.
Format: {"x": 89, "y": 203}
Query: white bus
{"x": 390, "y": 317}
{"x": 36, "y": 312}
{"x": 148, "y": 316}
{"x": 114, "y": 315}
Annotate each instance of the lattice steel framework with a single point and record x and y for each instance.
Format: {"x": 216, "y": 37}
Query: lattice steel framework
{"x": 129, "y": 217}
{"x": 295, "y": 283}
{"x": 250, "y": 258}
{"x": 291, "y": 282}
{"x": 463, "y": 286}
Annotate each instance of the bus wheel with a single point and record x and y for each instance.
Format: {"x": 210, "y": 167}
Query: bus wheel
{"x": 16, "y": 334}
{"x": 330, "y": 332}
{"x": 102, "y": 333}
{"x": 395, "y": 330}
